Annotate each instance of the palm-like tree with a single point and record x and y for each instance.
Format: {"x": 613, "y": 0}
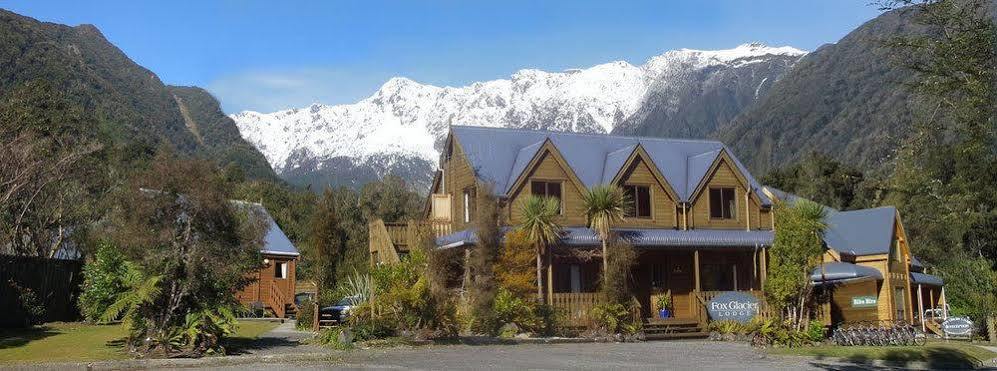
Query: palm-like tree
{"x": 541, "y": 228}
{"x": 605, "y": 205}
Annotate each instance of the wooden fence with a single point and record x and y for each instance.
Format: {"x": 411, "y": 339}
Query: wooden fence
{"x": 55, "y": 283}
{"x": 575, "y": 307}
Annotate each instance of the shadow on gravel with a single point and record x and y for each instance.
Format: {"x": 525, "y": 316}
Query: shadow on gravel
{"x": 241, "y": 346}
{"x": 932, "y": 358}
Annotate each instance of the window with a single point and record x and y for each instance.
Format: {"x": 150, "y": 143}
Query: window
{"x": 547, "y": 189}
{"x": 468, "y": 204}
{"x": 640, "y": 199}
{"x": 900, "y": 302}
{"x": 723, "y": 205}
{"x": 280, "y": 269}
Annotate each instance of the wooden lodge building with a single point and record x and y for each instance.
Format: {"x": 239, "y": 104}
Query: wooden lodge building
{"x": 700, "y": 222}
{"x": 273, "y": 286}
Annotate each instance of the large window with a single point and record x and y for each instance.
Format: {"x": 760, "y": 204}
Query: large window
{"x": 640, "y": 199}
{"x": 723, "y": 205}
{"x": 547, "y": 189}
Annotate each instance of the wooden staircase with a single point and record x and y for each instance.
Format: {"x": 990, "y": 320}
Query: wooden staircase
{"x": 674, "y": 328}
{"x": 280, "y": 303}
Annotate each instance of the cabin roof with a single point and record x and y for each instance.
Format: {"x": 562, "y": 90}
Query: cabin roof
{"x": 639, "y": 237}
{"x": 275, "y": 241}
{"x": 500, "y": 155}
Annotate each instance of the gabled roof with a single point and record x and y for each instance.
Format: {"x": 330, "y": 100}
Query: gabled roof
{"x": 861, "y": 232}
{"x": 500, "y": 155}
{"x": 275, "y": 241}
{"x": 855, "y": 232}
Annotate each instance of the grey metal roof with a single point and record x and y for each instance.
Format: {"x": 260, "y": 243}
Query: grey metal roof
{"x": 861, "y": 232}
{"x": 645, "y": 238}
{"x": 840, "y": 271}
{"x": 926, "y": 279}
{"x": 500, "y": 155}
{"x": 915, "y": 264}
{"x": 275, "y": 241}
{"x": 855, "y": 232}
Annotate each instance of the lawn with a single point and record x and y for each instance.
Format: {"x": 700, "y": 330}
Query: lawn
{"x": 74, "y": 341}
{"x": 935, "y": 353}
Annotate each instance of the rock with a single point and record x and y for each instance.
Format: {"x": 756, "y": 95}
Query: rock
{"x": 345, "y": 336}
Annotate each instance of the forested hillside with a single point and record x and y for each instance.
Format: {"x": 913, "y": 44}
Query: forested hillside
{"x": 113, "y": 100}
{"x": 848, "y": 100}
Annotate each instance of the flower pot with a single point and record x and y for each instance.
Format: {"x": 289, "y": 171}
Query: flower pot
{"x": 665, "y": 313}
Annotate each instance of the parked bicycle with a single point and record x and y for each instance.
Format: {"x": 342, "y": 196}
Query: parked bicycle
{"x": 878, "y": 333}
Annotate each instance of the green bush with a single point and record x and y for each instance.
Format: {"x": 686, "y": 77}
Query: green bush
{"x": 336, "y": 337}
{"x": 31, "y": 308}
{"x": 614, "y": 318}
{"x": 401, "y": 301}
{"x": 103, "y": 281}
{"x": 306, "y": 315}
{"x": 815, "y": 331}
{"x": 770, "y": 332}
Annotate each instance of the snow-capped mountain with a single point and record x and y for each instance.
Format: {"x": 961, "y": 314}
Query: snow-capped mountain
{"x": 400, "y": 128}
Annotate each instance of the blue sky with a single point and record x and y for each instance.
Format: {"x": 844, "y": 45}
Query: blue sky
{"x": 269, "y": 55}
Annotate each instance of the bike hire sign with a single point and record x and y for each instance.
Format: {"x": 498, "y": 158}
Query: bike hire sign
{"x": 957, "y": 327}
{"x": 864, "y": 301}
{"x": 732, "y": 305}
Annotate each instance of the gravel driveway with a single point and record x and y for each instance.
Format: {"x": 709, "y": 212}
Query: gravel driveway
{"x": 675, "y": 355}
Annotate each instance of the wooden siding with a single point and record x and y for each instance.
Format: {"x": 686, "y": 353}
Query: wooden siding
{"x": 548, "y": 168}
{"x": 841, "y": 305}
{"x": 724, "y": 176}
{"x": 458, "y": 176}
{"x": 663, "y": 206}
{"x": 258, "y": 290}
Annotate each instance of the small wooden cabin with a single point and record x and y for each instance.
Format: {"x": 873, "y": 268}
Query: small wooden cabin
{"x": 273, "y": 286}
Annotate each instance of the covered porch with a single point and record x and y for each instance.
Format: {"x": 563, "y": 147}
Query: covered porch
{"x": 690, "y": 276}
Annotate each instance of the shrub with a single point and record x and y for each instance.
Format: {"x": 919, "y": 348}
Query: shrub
{"x": 515, "y": 268}
{"x": 614, "y": 318}
{"x": 103, "y": 280}
{"x": 399, "y": 300}
{"x": 32, "y": 310}
{"x": 770, "y": 332}
{"x": 306, "y": 315}
{"x": 815, "y": 331}
{"x": 336, "y": 337}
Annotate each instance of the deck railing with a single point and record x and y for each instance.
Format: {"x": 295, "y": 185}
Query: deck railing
{"x": 575, "y": 307}
{"x": 277, "y": 300}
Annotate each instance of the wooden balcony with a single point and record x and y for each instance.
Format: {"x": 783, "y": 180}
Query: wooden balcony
{"x": 389, "y": 241}
{"x": 440, "y": 207}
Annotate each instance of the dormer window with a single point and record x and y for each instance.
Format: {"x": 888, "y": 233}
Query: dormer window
{"x": 723, "y": 204}
{"x": 640, "y": 199}
{"x": 547, "y": 189}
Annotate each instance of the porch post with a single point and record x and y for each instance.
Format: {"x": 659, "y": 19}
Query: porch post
{"x": 931, "y": 301}
{"x": 550, "y": 277}
{"x": 920, "y": 307}
{"x": 763, "y": 266}
{"x": 695, "y": 262}
{"x": 945, "y": 307}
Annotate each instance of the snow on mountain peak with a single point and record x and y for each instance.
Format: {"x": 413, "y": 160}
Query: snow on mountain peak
{"x": 407, "y": 118}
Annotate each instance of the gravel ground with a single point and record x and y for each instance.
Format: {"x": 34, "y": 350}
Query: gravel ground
{"x": 283, "y": 339}
{"x": 673, "y": 355}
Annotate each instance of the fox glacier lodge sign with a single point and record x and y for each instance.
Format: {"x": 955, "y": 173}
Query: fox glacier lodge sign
{"x": 733, "y": 305}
